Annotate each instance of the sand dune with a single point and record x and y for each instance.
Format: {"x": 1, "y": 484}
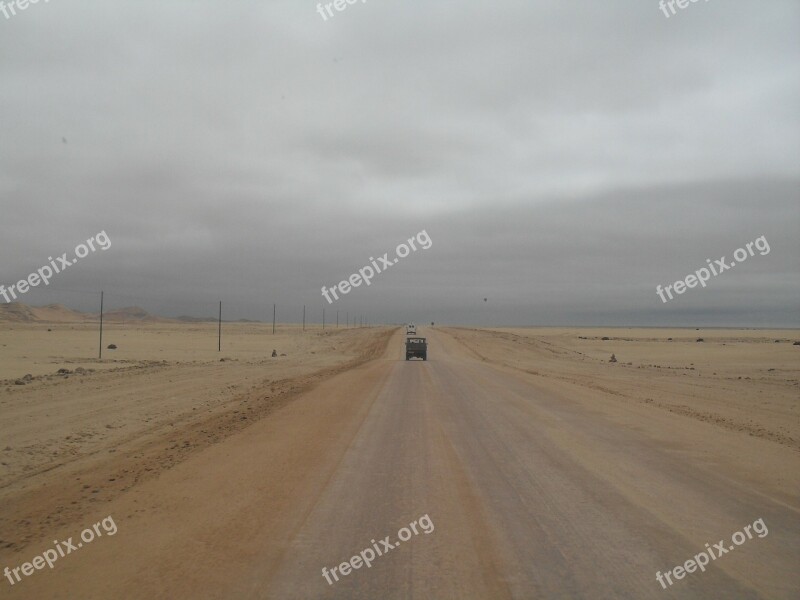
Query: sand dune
{"x": 18, "y": 312}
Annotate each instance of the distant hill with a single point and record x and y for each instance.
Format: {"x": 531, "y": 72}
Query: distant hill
{"x": 185, "y": 319}
{"x": 17, "y": 312}
{"x": 131, "y": 314}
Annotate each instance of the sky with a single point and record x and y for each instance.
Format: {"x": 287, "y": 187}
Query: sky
{"x": 563, "y": 157}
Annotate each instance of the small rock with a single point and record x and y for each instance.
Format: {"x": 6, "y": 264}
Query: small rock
{"x": 64, "y": 371}
{"x": 274, "y": 354}
{"x": 112, "y": 346}
{"x": 283, "y": 355}
{"x": 604, "y": 339}
{"x": 28, "y": 377}
{"x": 613, "y": 358}
{"x": 700, "y": 340}
{"x": 19, "y": 382}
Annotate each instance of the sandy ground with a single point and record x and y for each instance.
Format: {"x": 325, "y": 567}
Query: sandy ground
{"x": 744, "y": 380}
{"x": 547, "y": 471}
{"x": 129, "y": 416}
{"x": 43, "y": 348}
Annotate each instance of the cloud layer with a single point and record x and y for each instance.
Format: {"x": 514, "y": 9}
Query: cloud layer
{"x": 565, "y": 157}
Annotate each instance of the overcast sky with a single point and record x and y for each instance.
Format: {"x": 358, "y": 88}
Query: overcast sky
{"x": 565, "y": 157}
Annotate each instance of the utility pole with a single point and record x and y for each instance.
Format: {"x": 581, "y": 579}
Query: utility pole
{"x": 100, "y": 354}
{"x": 304, "y": 317}
{"x": 323, "y": 318}
{"x": 219, "y": 330}
{"x": 273, "y": 319}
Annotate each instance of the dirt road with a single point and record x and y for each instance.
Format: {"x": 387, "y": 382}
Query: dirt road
{"x": 529, "y": 493}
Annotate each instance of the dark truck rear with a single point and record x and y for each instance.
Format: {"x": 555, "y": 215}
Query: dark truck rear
{"x": 416, "y": 347}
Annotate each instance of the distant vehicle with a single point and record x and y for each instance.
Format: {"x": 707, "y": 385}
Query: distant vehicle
{"x": 411, "y": 329}
{"x": 416, "y": 347}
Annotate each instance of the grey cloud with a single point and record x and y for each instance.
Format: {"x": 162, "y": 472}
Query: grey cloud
{"x": 564, "y": 157}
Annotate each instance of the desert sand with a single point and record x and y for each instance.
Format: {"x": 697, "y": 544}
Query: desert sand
{"x": 164, "y": 392}
{"x": 547, "y": 469}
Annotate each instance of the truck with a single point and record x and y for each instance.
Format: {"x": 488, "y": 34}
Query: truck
{"x": 416, "y": 347}
{"x": 411, "y": 329}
